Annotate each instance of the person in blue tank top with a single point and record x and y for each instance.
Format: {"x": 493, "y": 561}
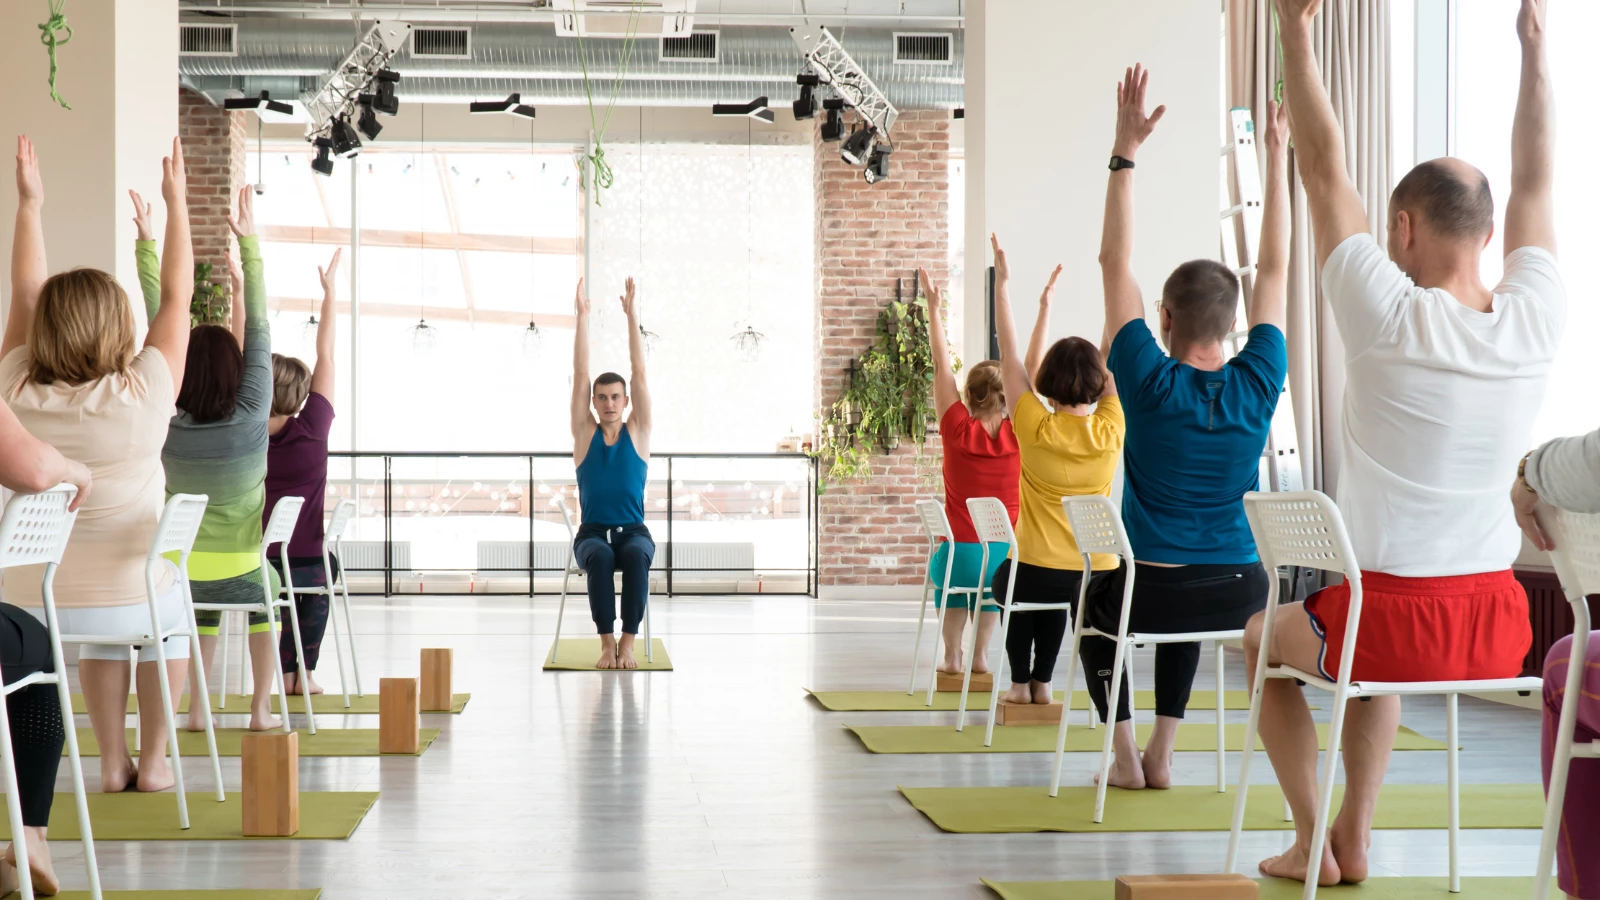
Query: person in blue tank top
{"x": 611, "y": 448}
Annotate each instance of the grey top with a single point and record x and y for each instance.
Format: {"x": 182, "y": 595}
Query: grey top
{"x": 1566, "y": 472}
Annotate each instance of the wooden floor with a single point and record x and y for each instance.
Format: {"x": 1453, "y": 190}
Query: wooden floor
{"x": 720, "y": 779}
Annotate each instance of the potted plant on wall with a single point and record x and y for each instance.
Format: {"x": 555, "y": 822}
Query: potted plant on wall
{"x": 210, "y": 303}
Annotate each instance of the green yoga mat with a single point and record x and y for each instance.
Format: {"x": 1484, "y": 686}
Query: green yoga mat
{"x": 326, "y": 742}
{"x": 1282, "y": 889}
{"x": 132, "y": 816}
{"x": 1080, "y": 739}
{"x": 579, "y": 654}
{"x": 330, "y": 704}
{"x": 195, "y": 895}
{"x": 899, "y": 701}
{"x": 1020, "y": 810}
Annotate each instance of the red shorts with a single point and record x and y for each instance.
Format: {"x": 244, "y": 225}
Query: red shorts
{"x": 1454, "y": 628}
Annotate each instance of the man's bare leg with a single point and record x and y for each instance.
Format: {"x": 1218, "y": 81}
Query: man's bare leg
{"x": 625, "y": 658}
{"x": 955, "y": 627}
{"x": 608, "y": 652}
{"x": 1157, "y": 762}
{"x": 1290, "y": 736}
{"x": 1369, "y": 731}
{"x": 987, "y": 622}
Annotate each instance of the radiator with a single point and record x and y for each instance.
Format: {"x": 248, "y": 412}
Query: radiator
{"x": 723, "y": 559}
{"x": 501, "y": 556}
{"x": 1549, "y": 615}
{"x": 369, "y": 555}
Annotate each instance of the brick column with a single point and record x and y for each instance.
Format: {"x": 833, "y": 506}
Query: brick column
{"x": 213, "y": 152}
{"x": 867, "y": 236}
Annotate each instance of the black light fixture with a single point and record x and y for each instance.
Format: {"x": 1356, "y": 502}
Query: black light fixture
{"x": 857, "y": 148}
{"x": 878, "y": 164}
{"x": 383, "y": 98}
{"x": 806, "y": 106}
{"x": 833, "y": 124}
{"x": 322, "y": 165}
{"x": 511, "y": 106}
{"x": 367, "y": 122}
{"x": 346, "y": 143}
{"x": 258, "y": 103}
{"x": 755, "y": 109}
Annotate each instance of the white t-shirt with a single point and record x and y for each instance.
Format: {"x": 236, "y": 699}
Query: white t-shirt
{"x": 1439, "y": 406}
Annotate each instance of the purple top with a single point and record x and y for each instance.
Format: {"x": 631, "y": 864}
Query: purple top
{"x": 297, "y": 466}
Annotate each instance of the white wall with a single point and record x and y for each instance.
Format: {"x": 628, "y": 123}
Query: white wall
{"x": 1040, "y": 109}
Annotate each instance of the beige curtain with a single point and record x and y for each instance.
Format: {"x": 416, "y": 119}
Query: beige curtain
{"x": 1352, "y": 46}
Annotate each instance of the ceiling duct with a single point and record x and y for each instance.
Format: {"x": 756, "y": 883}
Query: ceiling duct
{"x": 530, "y": 59}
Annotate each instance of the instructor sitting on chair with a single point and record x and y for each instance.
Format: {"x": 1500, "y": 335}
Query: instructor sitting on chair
{"x": 612, "y": 456}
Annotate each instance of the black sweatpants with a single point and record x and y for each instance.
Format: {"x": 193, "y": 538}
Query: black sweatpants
{"x": 1033, "y": 639}
{"x": 1168, "y": 599}
{"x": 602, "y": 552}
{"x": 34, "y": 713}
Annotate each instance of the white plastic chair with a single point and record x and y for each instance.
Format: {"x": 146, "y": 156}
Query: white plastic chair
{"x": 937, "y": 527}
{"x": 175, "y": 533}
{"x": 1304, "y": 528}
{"x": 332, "y": 543}
{"x": 34, "y": 530}
{"x": 1097, "y": 528}
{"x": 280, "y": 527}
{"x": 574, "y": 569}
{"x": 1577, "y": 563}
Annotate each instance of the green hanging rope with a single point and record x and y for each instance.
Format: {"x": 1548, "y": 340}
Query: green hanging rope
{"x": 1277, "y": 39}
{"x": 47, "y": 36}
{"x": 603, "y": 176}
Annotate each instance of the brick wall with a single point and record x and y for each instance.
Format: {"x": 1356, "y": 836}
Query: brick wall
{"x": 213, "y": 153}
{"x": 867, "y": 236}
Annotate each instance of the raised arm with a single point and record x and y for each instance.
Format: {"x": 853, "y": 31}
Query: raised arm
{"x": 945, "y": 392}
{"x": 1041, "y": 328}
{"x": 639, "y": 391}
{"x": 322, "y": 376}
{"x": 169, "y": 328}
{"x": 29, "y": 465}
{"x": 1336, "y": 208}
{"x": 236, "y": 313}
{"x": 255, "y": 391}
{"x": 1124, "y": 302}
{"x": 1530, "y": 215}
{"x": 1013, "y": 375}
{"x": 583, "y": 423}
{"x": 144, "y": 254}
{"x": 28, "y": 267}
{"x": 1270, "y": 298}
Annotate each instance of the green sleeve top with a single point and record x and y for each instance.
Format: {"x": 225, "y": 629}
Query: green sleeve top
{"x": 149, "y": 277}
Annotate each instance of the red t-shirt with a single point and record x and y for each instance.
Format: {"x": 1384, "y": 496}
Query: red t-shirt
{"x": 977, "y": 465}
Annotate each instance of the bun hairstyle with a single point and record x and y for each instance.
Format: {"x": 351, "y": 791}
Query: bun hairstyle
{"x": 1072, "y": 373}
{"x": 985, "y": 392}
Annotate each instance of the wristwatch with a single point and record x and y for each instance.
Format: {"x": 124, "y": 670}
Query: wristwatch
{"x": 1522, "y": 474}
{"x": 1119, "y": 162}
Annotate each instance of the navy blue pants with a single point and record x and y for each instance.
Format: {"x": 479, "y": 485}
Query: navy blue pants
{"x": 602, "y": 552}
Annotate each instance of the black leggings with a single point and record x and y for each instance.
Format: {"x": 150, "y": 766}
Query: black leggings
{"x": 601, "y": 552}
{"x": 310, "y": 609}
{"x": 1168, "y": 599}
{"x": 34, "y": 713}
{"x": 1033, "y": 639}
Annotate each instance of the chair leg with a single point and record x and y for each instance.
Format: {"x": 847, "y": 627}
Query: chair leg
{"x": 1330, "y": 767}
{"x": 1222, "y": 775}
{"x": 1453, "y": 766}
{"x": 649, "y": 644}
{"x": 300, "y": 664}
{"x": 333, "y": 620}
{"x": 938, "y": 640}
{"x": 159, "y": 643}
{"x": 1258, "y": 680}
{"x": 80, "y": 794}
{"x": 561, "y": 608}
{"x": 916, "y": 646}
{"x": 13, "y": 799}
{"x": 1066, "y": 707}
{"x": 222, "y": 642}
{"x": 1111, "y": 729}
{"x": 1556, "y": 796}
{"x": 199, "y": 690}
{"x": 999, "y": 681}
{"x": 349, "y": 631}
{"x": 277, "y": 669}
{"x": 972, "y": 654}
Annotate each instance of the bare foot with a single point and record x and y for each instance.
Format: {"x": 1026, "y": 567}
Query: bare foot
{"x": 1349, "y": 847}
{"x": 608, "y": 652}
{"x": 980, "y": 662}
{"x": 1293, "y": 865}
{"x": 154, "y": 775}
{"x": 264, "y": 722}
{"x": 43, "y": 872}
{"x": 1040, "y": 691}
{"x": 1019, "y": 694}
{"x": 625, "y": 658}
{"x": 1128, "y": 776}
{"x": 291, "y": 683}
{"x": 1157, "y": 769}
{"x": 116, "y": 778}
{"x": 195, "y": 722}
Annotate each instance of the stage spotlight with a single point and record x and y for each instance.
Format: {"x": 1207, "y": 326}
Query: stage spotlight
{"x": 877, "y": 165}
{"x": 833, "y": 124}
{"x": 857, "y": 148}
{"x": 258, "y": 103}
{"x": 806, "y": 106}
{"x": 322, "y": 165}
{"x": 755, "y": 109}
{"x": 368, "y": 122}
{"x": 346, "y": 142}
{"x": 512, "y": 106}
{"x": 383, "y": 98}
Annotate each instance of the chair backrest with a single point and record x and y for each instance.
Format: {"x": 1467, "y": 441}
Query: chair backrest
{"x": 343, "y": 512}
{"x": 1300, "y": 528}
{"x": 934, "y": 522}
{"x": 35, "y": 527}
{"x": 566, "y": 516}
{"x": 991, "y": 520}
{"x": 280, "y": 525}
{"x": 180, "y": 522}
{"x": 1576, "y": 557}
{"x": 1097, "y": 526}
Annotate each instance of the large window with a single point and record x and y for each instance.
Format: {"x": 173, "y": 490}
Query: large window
{"x": 1486, "y": 96}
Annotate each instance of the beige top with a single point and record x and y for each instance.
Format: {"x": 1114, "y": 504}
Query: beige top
{"x": 116, "y": 426}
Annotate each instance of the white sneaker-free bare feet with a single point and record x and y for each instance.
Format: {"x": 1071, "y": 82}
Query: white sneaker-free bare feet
{"x": 1294, "y": 863}
{"x": 1019, "y": 693}
{"x": 625, "y": 658}
{"x": 1126, "y": 775}
{"x": 608, "y": 652}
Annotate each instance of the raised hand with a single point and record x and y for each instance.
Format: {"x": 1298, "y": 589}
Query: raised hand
{"x": 30, "y": 186}
{"x": 935, "y": 299}
{"x": 1530, "y": 21}
{"x": 580, "y": 301}
{"x": 174, "y": 181}
{"x": 1298, "y": 9}
{"x": 235, "y": 276}
{"x": 141, "y": 218}
{"x": 1001, "y": 269}
{"x": 1275, "y": 134}
{"x": 1133, "y": 126}
{"x": 629, "y": 308}
{"x": 244, "y": 224}
{"x": 325, "y": 275}
{"x": 1050, "y": 288}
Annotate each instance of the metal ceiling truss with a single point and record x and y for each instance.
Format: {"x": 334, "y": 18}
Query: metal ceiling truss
{"x": 353, "y": 75}
{"x": 836, "y": 69}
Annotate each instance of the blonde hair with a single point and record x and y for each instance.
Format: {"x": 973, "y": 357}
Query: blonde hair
{"x": 82, "y": 329}
{"x": 985, "y": 392}
{"x": 291, "y": 385}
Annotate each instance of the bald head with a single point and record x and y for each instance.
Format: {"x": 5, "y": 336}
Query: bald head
{"x": 1448, "y": 196}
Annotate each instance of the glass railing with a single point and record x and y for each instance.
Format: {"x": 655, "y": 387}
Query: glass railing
{"x": 491, "y": 523}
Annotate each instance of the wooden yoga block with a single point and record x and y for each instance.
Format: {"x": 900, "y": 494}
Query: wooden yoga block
{"x": 399, "y": 716}
{"x": 271, "y": 763}
{"x": 1186, "y": 887}
{"x": 1028, "y": 713}
{"x": 951, "y": 681}
{"x": 436, "y": 669}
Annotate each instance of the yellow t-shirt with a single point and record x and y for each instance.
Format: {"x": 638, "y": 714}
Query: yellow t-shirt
{"x": 1063, "y": 455}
